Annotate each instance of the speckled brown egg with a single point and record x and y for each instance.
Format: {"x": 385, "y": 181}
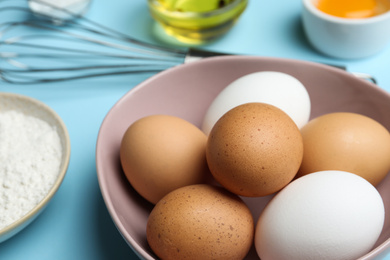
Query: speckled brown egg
{"x": 200, "y": 222}
{"x": 347, "y": 142}
{"x": 255, "y": 149}
{"x": 160, "y": 153}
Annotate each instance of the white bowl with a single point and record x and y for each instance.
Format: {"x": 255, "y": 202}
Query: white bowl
{"x": 33, "y": 107}
{"x": 344, "y": 37}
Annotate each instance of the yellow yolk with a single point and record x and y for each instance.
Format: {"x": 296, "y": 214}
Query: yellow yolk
{"x": 354, "y": 8}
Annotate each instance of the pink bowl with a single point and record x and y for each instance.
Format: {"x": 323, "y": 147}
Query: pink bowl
{"x": 186, "y": 91}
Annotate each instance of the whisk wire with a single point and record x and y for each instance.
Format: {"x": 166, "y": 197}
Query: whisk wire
{"x": 74, "y": 41}
{"x": 23, "y": 80}
{"x": 71, "y": 53}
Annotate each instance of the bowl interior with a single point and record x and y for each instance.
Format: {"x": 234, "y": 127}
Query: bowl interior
{"x": 33, "y": 107}
{"x": 186, "y": 91}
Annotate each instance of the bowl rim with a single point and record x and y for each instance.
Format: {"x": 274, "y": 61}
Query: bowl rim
{"x": 61, "y": 174}
{"x": 137, "y": 249}
{"x": 155, "y": 4}
{"x": 310, "y": 6}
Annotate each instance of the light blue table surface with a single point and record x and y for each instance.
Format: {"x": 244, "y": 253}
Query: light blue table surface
{"x": 76, "y": 224}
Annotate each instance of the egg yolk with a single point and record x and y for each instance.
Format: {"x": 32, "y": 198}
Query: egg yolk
{"x": 354, "y": 8}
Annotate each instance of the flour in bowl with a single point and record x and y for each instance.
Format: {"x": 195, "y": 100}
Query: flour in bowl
{"x": 30, "y": 158}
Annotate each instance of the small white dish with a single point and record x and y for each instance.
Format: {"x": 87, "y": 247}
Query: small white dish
{"x": 33, "y": 107}
{"x": 345, "y": 38}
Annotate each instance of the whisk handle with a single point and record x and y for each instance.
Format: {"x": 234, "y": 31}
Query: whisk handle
{"x": 196, "y": 54}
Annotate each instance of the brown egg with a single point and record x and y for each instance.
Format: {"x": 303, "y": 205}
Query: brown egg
{"x": 160, "y": 153}
{"x": 200, "y": 222}
{"x": 255, "y": 149}
{"x": 346, "y": 142}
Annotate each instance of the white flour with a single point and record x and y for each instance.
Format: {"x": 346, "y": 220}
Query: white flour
{"x": 30, "y": 157}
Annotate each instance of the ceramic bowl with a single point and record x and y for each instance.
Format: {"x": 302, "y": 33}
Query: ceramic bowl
{"x": 345, "y": 38}
{"x": 186, "y": 91}
{"x": 60, "y": 11}
{"x": 36, "y": 108}
{"x": 196, "y": 27}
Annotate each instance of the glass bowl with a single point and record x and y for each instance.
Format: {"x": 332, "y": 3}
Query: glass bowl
{"x": 196, "y": 27}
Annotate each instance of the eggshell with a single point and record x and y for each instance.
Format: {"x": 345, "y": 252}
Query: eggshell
{"x": 347, "y": 142}
{"x": 276, "y": 88}
{"x": 200, "y": 222}
{"x": 323, "y": 215}
{"x": 255, "y": 149}
{"x": 160, "y": 153}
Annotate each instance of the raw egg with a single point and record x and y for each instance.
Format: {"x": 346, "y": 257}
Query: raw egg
{"x": 347, "y": 142}
{"x": 200, "y": 222}
{"x": 321, "y": 216}
{"x": 354, "y": 8}
{"x": 254, "y": 149}
{"x": 160, "y": 153}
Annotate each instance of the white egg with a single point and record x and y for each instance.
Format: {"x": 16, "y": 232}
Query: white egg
{"x": 275, "y": 88}
{"x": 323, "y": 215}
